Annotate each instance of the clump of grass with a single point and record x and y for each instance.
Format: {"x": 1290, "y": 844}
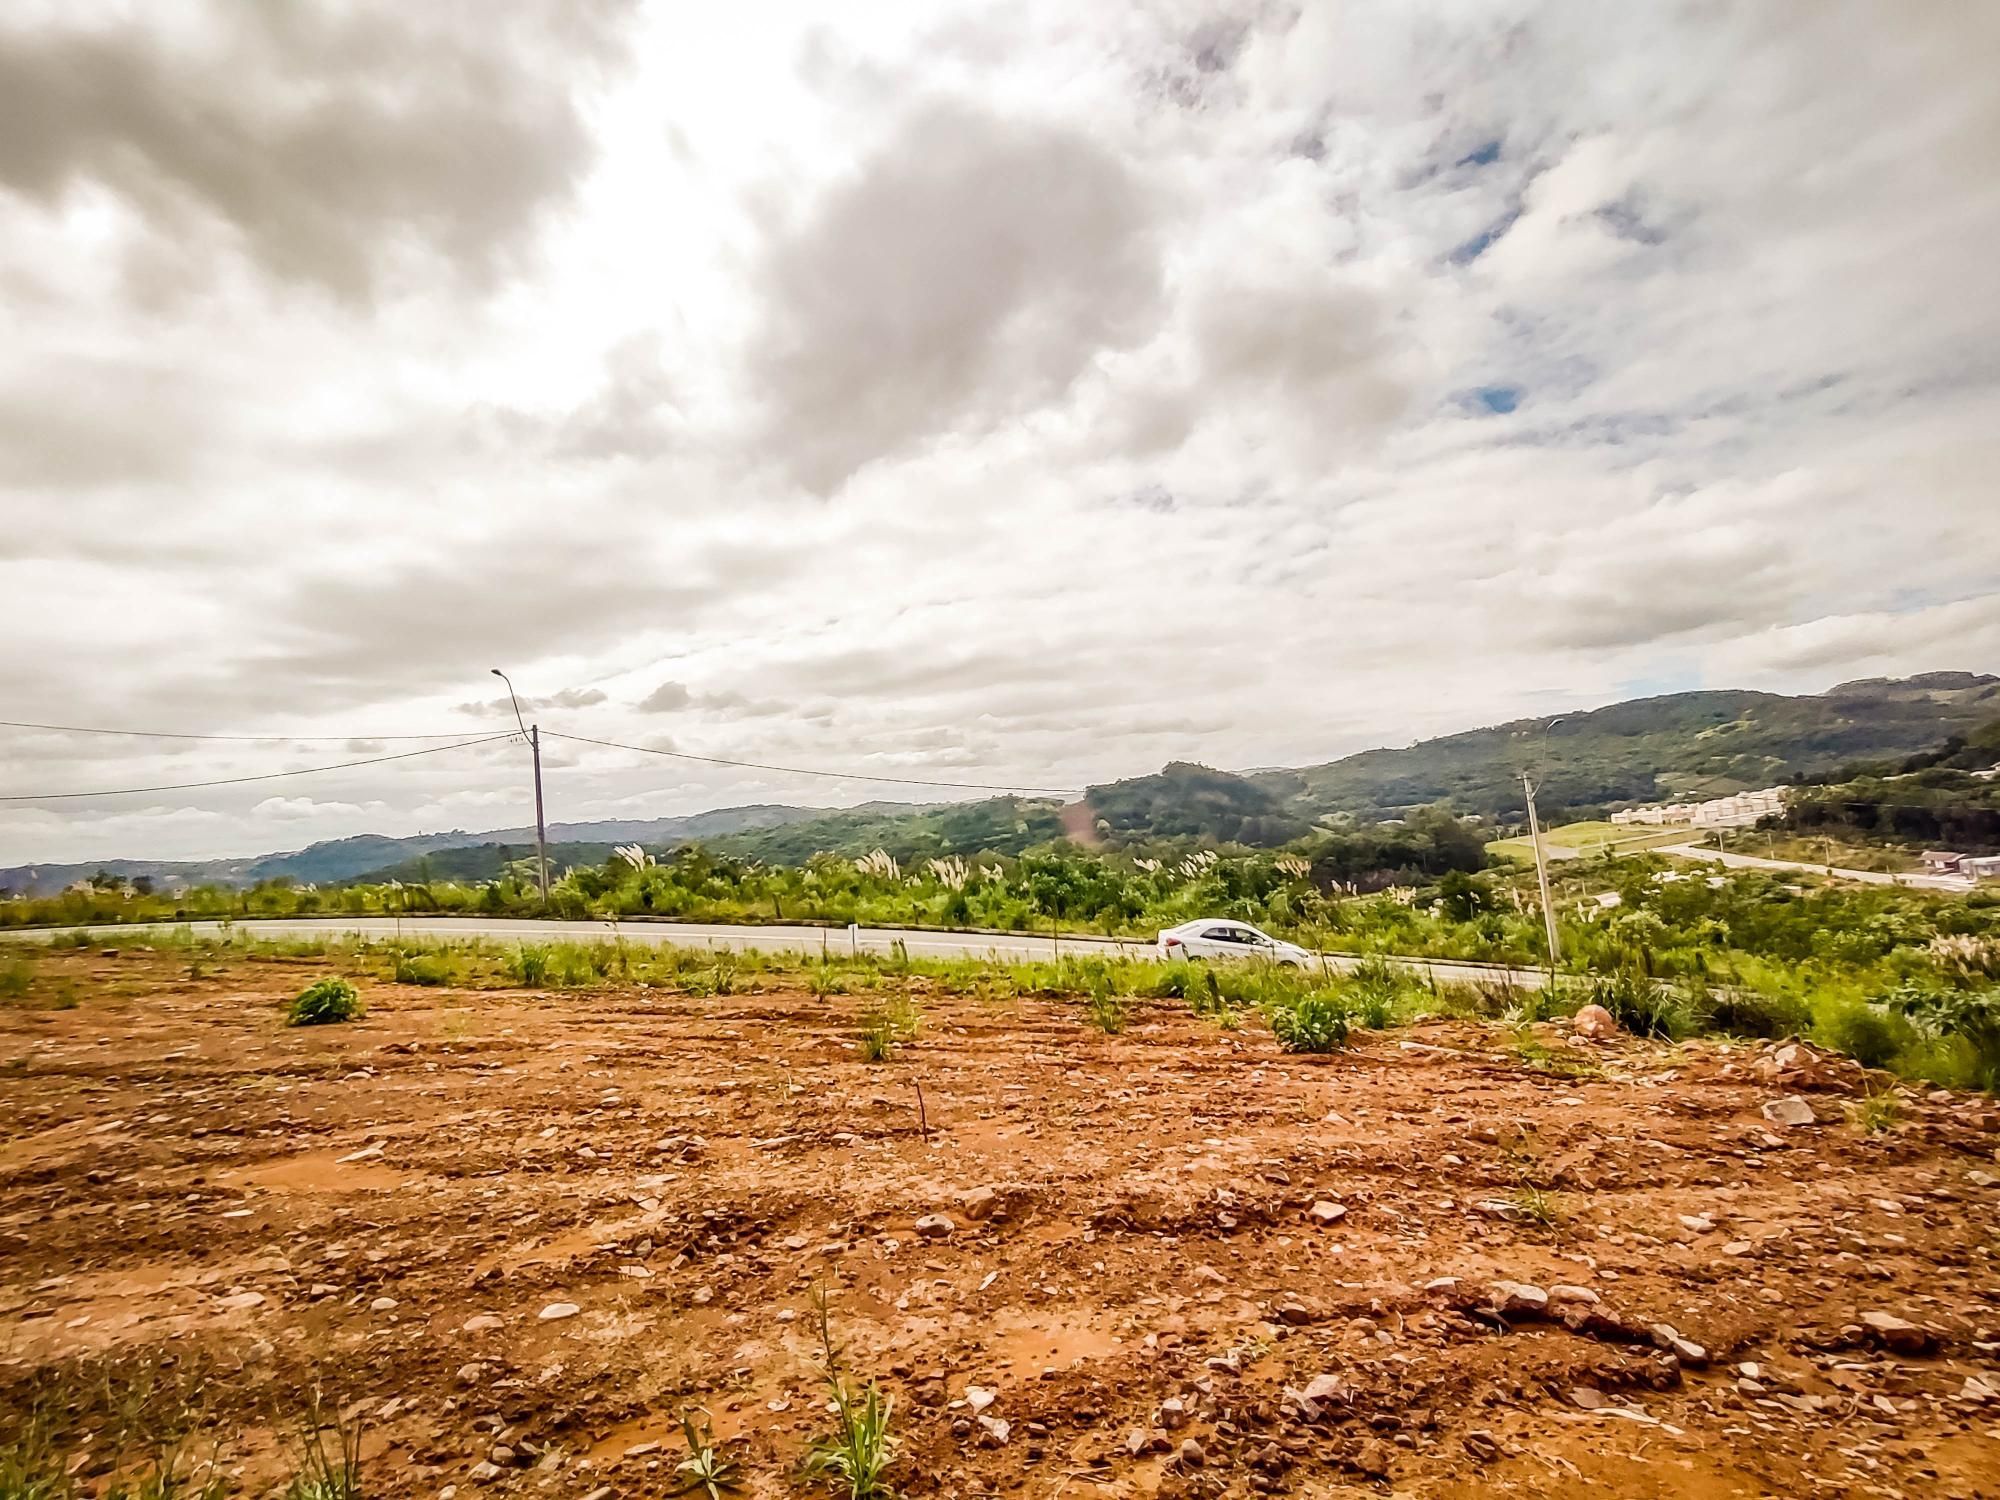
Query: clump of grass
{"x": 16, "y": 974}
{"x": 1560, "y": 1062}
{"x": 422, "y": 968}
{"x": 705, "y": 1470}
{"x": 1316, "y": 1021}
{"x": 854, "y": 1458}
{"x": 1538, "y": 1206}
{"x": 884, "y": 1027}
{"x": 1642, "y": 1006}
{"x": 1877, "y": 1112}
{"x": 1105, "y": 1010}
{"x": 1872, "y": 1035}
{"x": 529, "y": 964}
{"x": 326, "y": 1469}
{"x": 322, "y": 1002}
{"x": 31, "y": 1466}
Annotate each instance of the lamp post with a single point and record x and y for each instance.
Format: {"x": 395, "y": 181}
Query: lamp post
{"x": 534, "y": 735}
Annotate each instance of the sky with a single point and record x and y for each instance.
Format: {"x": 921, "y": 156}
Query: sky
{"x": 1017, "y": 393}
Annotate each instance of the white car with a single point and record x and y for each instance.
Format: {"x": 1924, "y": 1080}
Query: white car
{"x": 1224, "y": 939}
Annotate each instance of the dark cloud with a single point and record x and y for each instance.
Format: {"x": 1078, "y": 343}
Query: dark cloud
{"x": 328, "y": 138}
{"x": 968, "y": 272}
{"x": 665, "y": 698}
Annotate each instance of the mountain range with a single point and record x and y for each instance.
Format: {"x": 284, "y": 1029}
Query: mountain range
{"x": 1705, "y": 743}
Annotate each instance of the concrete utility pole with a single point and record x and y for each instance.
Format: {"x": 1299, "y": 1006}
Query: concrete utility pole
{"x": 1541, "y": 856}
{"x": 534, "y": 735}
{"x": 1541, "y": 873}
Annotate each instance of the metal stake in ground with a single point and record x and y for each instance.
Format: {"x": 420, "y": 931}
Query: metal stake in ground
{"x": 541, "y": 828}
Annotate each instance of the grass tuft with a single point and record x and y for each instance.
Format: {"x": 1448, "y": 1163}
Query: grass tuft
{"x": 323, "y": 1002}
{"x": 857, "y": 1454}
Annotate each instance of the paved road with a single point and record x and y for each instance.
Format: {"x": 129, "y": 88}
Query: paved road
{"x": 1871, "y": 877}
{"x": 775, "y": 939}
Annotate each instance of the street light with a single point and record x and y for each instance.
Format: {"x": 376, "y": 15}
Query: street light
{"x": 534, "y": 735}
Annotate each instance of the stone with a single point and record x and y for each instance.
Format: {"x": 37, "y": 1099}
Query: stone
{"x": 558, "y": 1310}
{"x": 994, "y": 1431}
{"x": 471, "y": 1373}
{"x": 935, "y": 1226}
{"x": 1173, "y": 1414}
{"x": 1686, "y": 1350}
{"x": 1326, "y": 1212}
{"x": 1482, "y": 1446}
{"x": 979, "y": 1397}
{"x": 481, "y": 1323}
{"x": 1573, "y": 1296}
{"x": 978, "y": 1203}
{"x": 1589, "y": 1398}
{"x": 500, "y": 1454}
{"x": 1898, "y": 1335}
{"x": 383, "y": 1304}
{"x": 1697, "y": 1223}
{"x": 1372, "y": 1459}
{"x": 243, "y": 1301}
{"x": 484, "y": 1472}
{"x": 1738, "y": 1247}
{"x": 1595, "y": 1023}
{"x": 1324, "y": 1389}
{"x": 1191, "y": 1455}
{"x": 1297, "y": 1314}
{"x": 1519, "y": 1299}
{"x": 1790, "y": 1110}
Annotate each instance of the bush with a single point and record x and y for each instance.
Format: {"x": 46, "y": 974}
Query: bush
{"x": 323, "y": 1001}
{"x": 1105, "y": 1010}
{"x": 1313, "y": 1022}
{"x": 1642, "y": 1006}
{"x": 1752, "y": 1013}
{"x": 1973, "y": 1016}
{"x": 422, "y": 968}
{"x": 16, "y": 974}
{"x": 1870, "y": 1034}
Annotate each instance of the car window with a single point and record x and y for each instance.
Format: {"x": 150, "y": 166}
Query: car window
{"x": 1223, "y": 935}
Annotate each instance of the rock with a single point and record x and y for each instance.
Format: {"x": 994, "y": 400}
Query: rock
{"x": 472, "y": 1373}
{"x": 383, "y": 1304}
{"x": 1173, "y": 1414}
{"x": 481, "y": 1323}
{"x": 1589, "y": 1398}
{"x": 1372, "y": 1459}
{"x": 1897, "y": 1335}
{"x": 1517, "y": 1299}
{"x": 1297, "y": 1314}
{"x": 1790, "y": 1110}
{"x": 994, "y": 1431}
{"x": 558, "y": 1310}
{"x": 1738, "y": 1247}
{"x": 1482, "y": 1446}
{"x": 1686, "y": 1350}
{"x": 1324, "y": 1389}
{"x": 642, "y": 1450}
{"x": 978, "y": 1397}
{"x": 1191, "y": 1455}
{"x": 1981, "y": 1179}
{"x": 1595, "y": 1023}
{"x": 978, "y": 1203}
{"x": 484, "y": 1472}
{"x": 1697, "y": 1223}
{"x": 500, "y": 1454}
{"x": 243, "y": 1301}
{"x": 1326, "y": 1212}
{"x": 1573, "y": 1296}
{"x": 1139, "y": 1440}
{"x": 935, "y": 1226}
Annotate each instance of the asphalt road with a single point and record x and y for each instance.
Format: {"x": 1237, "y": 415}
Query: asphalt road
{"x": 774, "y": 939}
{"x": 1869, "y": 877}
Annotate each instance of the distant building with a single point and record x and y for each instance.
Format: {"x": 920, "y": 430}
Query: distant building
{"x": 1980, "y": 867}
{"x": 1739, "y": 811}
{"x": 1943, "y": 861}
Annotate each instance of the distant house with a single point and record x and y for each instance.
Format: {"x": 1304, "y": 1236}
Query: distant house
{"x": 1980, "y": 867}
{"x": 1943, "y": 861}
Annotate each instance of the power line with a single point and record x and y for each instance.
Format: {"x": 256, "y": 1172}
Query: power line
{"x": 239, "y": 739}
{"x": 751, "y": 765}
{"x": 188, "y": 786}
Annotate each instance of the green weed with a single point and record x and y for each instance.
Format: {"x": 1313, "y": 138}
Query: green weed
{"x": 856, "y": 1456}
{"x": 323, "y": 1002}
{"x": 1105, "y": 1010}
{"x": 705, "y": 1469}
{"x": 1313, "y": 1022}
{"x": 1877, "y": 1112}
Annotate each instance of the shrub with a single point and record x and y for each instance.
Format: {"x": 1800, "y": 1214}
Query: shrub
{"x": 1870, "y": 1034}
{"x": 1973, "y": 1016}
{"x": 423, "y": 968}
{"x": 529, "y": 964}
{"x": 1741, "y": 1012}
{"x": 1642, "y": 1006}
{"x": 323, "y": 1001}
{"x": 1313, "y": 1022}
{"x": 1105, "y": 1009}
{"x": 16, "y": 974}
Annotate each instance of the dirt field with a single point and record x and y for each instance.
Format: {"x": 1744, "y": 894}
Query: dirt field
{"x": 518, "y": 1233}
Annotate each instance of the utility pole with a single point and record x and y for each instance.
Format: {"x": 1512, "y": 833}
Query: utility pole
{"x": 534, "y": 735}
{"x": 1541, "y": 872}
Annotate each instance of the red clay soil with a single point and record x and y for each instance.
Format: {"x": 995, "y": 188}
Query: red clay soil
{"x": 517, "y": 1234}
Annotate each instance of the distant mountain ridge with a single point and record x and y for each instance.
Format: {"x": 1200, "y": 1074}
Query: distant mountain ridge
{"x": 1647, "y": 749}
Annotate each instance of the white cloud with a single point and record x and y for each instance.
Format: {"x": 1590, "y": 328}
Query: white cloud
{"x": 1026, "y": 395}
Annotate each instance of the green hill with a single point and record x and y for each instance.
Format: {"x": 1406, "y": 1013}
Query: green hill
{"x": 1700, "y": 743}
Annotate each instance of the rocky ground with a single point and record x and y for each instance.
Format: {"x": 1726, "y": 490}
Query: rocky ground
{"x": 514, "y": 1235}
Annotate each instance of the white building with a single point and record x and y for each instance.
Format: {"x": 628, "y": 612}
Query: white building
{"x": 1739, "y": 811}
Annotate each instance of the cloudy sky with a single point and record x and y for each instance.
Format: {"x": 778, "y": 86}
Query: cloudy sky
{"x": 1014, "y": 393}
